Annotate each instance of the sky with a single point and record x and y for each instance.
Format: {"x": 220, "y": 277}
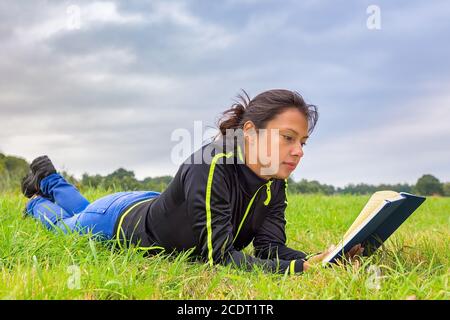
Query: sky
{"x": 98, "y": 85}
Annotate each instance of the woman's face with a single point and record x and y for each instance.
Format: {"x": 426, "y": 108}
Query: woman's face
{"x": 276, "y": 151}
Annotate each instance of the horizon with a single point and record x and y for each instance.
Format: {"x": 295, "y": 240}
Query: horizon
{"x": 79, "y": 177}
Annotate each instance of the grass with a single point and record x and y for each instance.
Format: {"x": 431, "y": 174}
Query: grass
{"x": 39, "y": 264}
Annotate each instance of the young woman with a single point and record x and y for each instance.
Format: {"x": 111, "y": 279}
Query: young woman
{"x": 225, "y": 196}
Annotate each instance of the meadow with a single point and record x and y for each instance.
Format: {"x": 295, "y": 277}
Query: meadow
{"x": 36, "y": 263}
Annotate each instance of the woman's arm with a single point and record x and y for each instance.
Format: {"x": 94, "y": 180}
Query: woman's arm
{"x": 270, "y": 240}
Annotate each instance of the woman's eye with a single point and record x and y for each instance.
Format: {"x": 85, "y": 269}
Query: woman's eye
{"x": 288, "y": 138}
{"x": 303, "y": 144}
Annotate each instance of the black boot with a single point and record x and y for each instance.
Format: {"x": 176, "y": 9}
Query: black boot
{"x": 27, "y": 185}
{"x": 41, "y": 167}
{"x": 29, "y": 190}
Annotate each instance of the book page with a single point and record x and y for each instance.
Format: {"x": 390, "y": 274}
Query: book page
{"x": 375, "y": 201}
{"x": 372, "y": 207}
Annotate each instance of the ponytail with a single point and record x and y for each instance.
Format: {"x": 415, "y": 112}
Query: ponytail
{"x": 232, "y": 118}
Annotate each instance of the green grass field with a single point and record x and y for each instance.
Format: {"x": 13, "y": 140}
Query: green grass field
{"x": 39, "y": 264}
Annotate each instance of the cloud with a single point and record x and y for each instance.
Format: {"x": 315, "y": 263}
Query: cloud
{"x": 63, "y": 18}
{"x": 110, "y": 93}
{"x": 409, "y": 142}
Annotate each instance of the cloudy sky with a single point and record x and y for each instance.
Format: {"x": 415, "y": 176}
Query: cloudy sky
{"x": 102, "y": 85}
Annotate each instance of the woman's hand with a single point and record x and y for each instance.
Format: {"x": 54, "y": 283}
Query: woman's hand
{"x": 354, "y": 253}
{"x": 317, "y": 258}
{"x": 351, "y": 256}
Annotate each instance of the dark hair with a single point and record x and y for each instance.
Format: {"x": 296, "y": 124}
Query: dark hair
{"x": 263, "y": 108}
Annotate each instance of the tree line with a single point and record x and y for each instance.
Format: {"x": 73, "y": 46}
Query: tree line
{"x": 12, "y": 169}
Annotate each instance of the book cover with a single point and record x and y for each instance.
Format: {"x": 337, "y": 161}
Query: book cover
{"x": 382, "y": 215}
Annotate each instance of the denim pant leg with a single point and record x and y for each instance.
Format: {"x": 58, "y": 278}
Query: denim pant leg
{"x": 100, "y": 216}
{"x": 49, "y": 213}
{"x": 63, "y": 193}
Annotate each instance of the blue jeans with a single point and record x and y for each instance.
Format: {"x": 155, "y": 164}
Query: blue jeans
{"x": 62, "y": 206}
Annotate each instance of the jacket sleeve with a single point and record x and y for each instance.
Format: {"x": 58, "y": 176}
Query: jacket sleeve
{"x": 207, "y": 192}
{"x": 270, "y": 240}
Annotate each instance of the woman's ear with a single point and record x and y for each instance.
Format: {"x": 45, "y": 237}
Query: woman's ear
{"x": 250, "y": 132}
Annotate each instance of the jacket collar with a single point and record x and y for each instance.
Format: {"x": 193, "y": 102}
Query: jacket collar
{"x": 249, "y": 180}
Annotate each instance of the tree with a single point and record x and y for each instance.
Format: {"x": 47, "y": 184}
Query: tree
{"x": 16, "y": 166}
{"x": 2, "y": 167}
{"x": 122, "y": 179}
{"x": 446, "y": 188}
{"x": 158, "y": 184}
{"x": 95, "y": 181}
{"x": 12, "y": 170}
{"x": 428, "y": 185}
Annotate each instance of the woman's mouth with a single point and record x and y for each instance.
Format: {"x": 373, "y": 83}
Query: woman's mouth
{"x": 290, "y": 165}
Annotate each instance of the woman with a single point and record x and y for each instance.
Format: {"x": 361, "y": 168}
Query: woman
{"x": 225, "y": 196}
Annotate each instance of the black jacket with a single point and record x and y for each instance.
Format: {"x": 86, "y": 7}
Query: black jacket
{"x": 217, "y": 207}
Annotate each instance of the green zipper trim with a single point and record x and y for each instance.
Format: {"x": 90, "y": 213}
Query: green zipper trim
{"x": 208, "y": 203}
{"x": 119, "y": 227}
{"x": 250, "y": 204}
{"x": 285, "y": 190}
{"x": 269, "y": 193}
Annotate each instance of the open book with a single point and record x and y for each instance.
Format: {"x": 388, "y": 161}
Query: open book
{"x": 381, "y": 216}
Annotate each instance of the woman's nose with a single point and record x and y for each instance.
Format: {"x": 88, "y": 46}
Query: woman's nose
{"x": 298, "y": 151}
